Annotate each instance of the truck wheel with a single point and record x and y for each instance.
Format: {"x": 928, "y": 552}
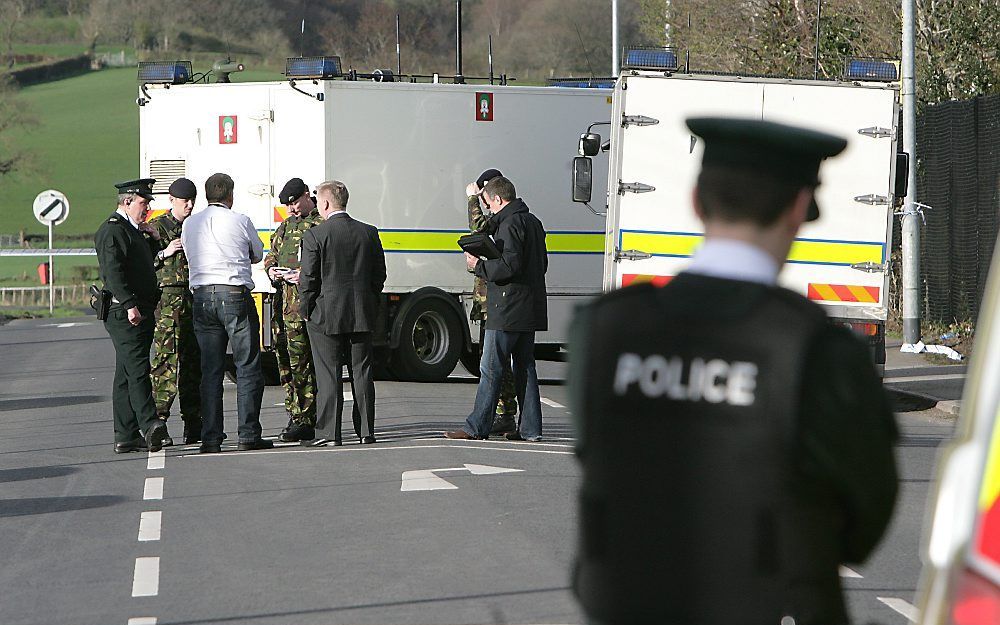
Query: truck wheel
{"x": 430, "y": 342}
{"x": 268, "y": 366}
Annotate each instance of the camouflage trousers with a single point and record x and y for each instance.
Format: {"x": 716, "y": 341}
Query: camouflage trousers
{"x": 507, "y": 404}
{"x": 176, "y": 365}
{"x": 295, "y": 365}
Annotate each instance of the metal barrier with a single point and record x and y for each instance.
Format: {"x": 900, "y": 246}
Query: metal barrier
{"x": 32, "y": 296}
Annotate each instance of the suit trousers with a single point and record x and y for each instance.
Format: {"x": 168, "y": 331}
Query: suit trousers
{"x": 132, "y": 391}
{"x": 327, "y": 350}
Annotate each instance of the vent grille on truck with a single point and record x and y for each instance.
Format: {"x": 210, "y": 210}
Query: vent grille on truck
{"x": 165, "y": 172}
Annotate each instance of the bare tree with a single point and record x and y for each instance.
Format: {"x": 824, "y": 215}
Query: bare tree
{"x": 12, "y": 118}
{"x": 13, "y": 12}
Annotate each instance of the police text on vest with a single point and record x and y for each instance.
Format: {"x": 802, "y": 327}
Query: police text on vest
{"x": 715, "y": 381}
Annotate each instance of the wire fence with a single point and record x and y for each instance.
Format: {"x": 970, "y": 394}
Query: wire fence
{"x": 958, "y": 162}
{"x": 34, "y": 296}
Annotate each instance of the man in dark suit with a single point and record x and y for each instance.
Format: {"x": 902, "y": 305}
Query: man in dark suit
{"x": 127, "y": 272}
{"x": 342, "y": 275}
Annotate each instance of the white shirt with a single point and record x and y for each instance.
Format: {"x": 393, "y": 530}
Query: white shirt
{"x": 220, "y": 246}
{"x": 121, "y": 211}
{"x": 734, "y": 260}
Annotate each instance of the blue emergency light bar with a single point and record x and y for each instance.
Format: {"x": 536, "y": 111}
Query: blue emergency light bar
{"x": 872, "y": 70}
{"x": 650, "y": 57}
{"x": 164, "y": 72}
{"x": 583, "y": 83}
{"x": 313, "y": 67}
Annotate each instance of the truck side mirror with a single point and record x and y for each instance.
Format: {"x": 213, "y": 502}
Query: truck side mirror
{"x": 901, "y": 185}
{"x": 590, "y": 144}
{"x": 583, "y": 177}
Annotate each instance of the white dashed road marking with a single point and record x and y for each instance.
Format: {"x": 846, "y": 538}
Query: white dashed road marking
{"x": 549, "y": 402}
{"x": 153, "y": 488}
{"x": 142, "y": 620}
{"x": 156, "y": 459}
{"x": 903, "y": 607}
{"x": 146, "y": 581}
{"x": 149, "y": 525}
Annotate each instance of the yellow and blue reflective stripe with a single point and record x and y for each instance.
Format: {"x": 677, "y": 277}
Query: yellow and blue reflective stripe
{"x": 396, "y": 241}
{"x": 804, "y": 251}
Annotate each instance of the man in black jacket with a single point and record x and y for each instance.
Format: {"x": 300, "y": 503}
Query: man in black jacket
{"x": 127, "y": 271}
{"x": 516, "y": 304}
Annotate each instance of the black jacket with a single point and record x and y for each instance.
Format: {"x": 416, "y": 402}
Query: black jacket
{"x": 126, "y": 265}
{"x": 515, "y": 289}
{"x": 342, "y": 275}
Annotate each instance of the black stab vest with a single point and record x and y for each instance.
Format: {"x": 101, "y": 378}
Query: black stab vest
{"x": 689, "y": 506}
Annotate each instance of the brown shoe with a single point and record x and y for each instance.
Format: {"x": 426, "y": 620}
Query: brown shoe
{"x": 461, "y": 435}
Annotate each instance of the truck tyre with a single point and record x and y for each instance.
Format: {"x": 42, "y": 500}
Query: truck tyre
{"x": 470, "y": 360}
{"x": 430, "y": 342}
{"x": 268, "y": 366}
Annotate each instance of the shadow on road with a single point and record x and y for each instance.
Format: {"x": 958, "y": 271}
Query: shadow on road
{"x": 29, "y": 403}
{"x": 34, "y": 473}
{"x": 46, "y": 505}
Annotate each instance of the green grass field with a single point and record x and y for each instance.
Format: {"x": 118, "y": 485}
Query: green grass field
{"x": 87, "y": 139}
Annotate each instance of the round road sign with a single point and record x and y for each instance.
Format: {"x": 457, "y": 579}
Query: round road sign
{"x": 51, "y": 208}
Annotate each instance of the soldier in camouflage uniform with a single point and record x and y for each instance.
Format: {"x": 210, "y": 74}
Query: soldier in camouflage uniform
{"x": 507, "y": 404}
{"x": 176, "y": 367}
{"x": 291, "y": 340}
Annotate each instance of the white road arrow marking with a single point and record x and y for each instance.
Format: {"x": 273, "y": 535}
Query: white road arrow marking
{"x": 549, "y": 402}
{"x": 426, "y": 479}
{"x": 63, "y": 325}
{"x": 846, "y": 572}
{"x": 902, "y": 607}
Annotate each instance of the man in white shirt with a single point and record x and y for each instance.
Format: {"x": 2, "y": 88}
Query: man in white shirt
{"x": 221, "y": 245}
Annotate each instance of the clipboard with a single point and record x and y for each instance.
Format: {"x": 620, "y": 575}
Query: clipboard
{"x": 479, "y": 244}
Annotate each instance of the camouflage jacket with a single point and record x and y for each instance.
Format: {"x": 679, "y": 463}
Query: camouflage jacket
{"x": 285, "y": 245}
{"x": 477, "y": 222}
{"x": 173, "y": 270}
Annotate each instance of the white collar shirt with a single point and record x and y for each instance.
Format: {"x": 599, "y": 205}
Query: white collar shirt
{"x": 734, "y": 260}
{"x": 128, "y": 218}
{"x": 220, "y": 246}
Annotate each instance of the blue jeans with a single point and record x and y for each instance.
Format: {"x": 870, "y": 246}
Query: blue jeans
{"x": 224, "y": 315}
{"x": 499, "y": 347}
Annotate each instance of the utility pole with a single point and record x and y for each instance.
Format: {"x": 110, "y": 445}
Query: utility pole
{"x": 911, "y": 216}
{"x": 614, "y": 37}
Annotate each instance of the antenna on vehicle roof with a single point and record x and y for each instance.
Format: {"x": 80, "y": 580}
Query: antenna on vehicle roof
{"x": 586, "y": 54}
{"x": 399, "y": 64}
{"x": 490, "y": 56}
{"x": 302, "y": 36}
{"x": 459, "y": 79}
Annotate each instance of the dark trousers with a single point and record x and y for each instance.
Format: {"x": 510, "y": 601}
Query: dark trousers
{"x": 327, "y": 350}
{"x": 132, "y": 391}
{"x": 227, "y": 315}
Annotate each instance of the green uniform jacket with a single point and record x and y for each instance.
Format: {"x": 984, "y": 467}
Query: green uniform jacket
{"x": 285, "y": 245}
{"x": 126, "y": 265}
{"x": 173, "y": 270}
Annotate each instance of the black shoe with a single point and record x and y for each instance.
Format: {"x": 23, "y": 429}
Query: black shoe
{"x": 133, "y": 445}
{"x": 155, "y": 435}
{"x": 516, "y": 436}
{"x": 209, "y": 448}
{"x": 260, "y": 443}
{"x": 192, "y": 433}
{"x": 297, "y": 432}
{"x": 367, "y": 440}
{"x": 167, "y": 441}
{"x": 503, "y": 424}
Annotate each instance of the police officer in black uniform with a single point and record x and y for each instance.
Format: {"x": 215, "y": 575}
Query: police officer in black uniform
{"x": 127, "y": 271}
{"x": 736, "y": 446}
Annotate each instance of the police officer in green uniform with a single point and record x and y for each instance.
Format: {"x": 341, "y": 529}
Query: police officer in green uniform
{"x": 126, "y": 265}
{"x": 478, "y": 222}
{"x": 291, "y": 339}
{"x": 736, "y": 445}
{"x": 176, "y": 366}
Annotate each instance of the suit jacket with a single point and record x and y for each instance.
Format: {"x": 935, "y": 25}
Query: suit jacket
{"x": 342, "y": 275}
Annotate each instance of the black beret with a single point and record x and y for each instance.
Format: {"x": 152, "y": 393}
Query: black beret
{"x": 143, "y": 187}
{"x": 183, "y": 188}
{"x": 486, "y": 176}
{"x": 786, "y": 153}
{"x": 293, "y": 190}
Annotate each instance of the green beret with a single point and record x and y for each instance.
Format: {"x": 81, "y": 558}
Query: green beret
{"x": 778, "y": 151}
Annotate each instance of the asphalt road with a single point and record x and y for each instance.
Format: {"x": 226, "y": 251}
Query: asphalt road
{"x": 414, "y": 530}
